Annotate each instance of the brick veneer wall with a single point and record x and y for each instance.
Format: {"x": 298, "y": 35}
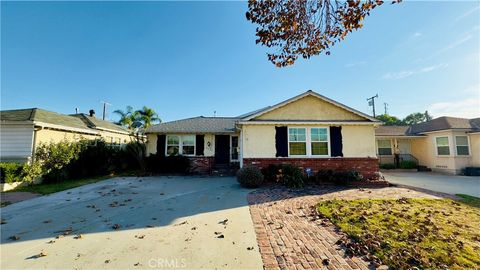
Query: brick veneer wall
{"x": 366, "y": 166}
{"x": 202, "y": 165}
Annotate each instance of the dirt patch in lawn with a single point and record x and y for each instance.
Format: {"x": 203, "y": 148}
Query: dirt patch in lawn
{"x": 406, "y": 233}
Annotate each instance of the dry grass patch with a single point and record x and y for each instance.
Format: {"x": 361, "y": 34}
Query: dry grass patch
{"x": 407, "y": 233}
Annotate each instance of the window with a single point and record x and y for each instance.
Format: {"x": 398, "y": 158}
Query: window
{"x": 443, "y": 148}
{"x": 462, "y": 145}
{"x": 180, "y": 145}
{"x": 188, "y": 145}
{"x": 319, "y": 141}
{"x": 234, "y": 148}
{"x": 384, "y": 147}
{"x": 297, "y": 141}
{"x": 173, "y": 145}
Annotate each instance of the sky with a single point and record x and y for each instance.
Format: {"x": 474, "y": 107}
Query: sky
{"x": 186, "y": 59}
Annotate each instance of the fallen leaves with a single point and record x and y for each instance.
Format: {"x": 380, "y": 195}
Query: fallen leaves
{"x": 14, "y": 237}
{"x": 116, "y": 226}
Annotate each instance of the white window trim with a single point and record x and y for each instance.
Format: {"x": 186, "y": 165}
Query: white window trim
{"x": 308, "y": 142}
{"x": 468, "y": 145}
{"x": 449, "y": 148}
{"x": 180, "y": 144}
{"x": 391, "y": 148}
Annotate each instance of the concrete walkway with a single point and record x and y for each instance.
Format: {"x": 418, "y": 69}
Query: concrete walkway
{"x": 452, "y": 184}
{"x": 133, "y": 223}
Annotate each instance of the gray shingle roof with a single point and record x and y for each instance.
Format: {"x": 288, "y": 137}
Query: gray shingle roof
{"x": 443, "y": 123}
{"x": 197, "y": 125}
{"x": 392, "y": 130}
{"x": 79, "y": 121}
{"x": 437, "y": 124}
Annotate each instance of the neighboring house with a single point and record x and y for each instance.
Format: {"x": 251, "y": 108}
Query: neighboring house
{"x": 444, "y": 144}
{"x": 21, "y": 131}
{"x": 308, "y": 130}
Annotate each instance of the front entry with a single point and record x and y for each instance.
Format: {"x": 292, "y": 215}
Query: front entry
{"x": 222, "y": 149}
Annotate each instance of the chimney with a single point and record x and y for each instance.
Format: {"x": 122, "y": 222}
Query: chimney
{"x": 92, "y": 113}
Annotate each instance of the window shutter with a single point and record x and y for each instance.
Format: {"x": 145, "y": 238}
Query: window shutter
{"x": 336, "y": 145}
{"x": 199, "y": 145}
{"x": 281, "y": 141}
{"x": 161, "y": 141}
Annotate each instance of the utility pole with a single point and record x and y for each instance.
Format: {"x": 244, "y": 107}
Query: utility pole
{"x": 371, "y": 102}
{"x": 105, "y": 109}
{"x": 385, "y": 105}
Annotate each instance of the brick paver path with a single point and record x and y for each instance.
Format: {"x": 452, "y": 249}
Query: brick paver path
{"x": 289, "y": 238}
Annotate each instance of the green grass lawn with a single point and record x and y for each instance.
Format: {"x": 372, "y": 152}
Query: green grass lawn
{"x": 470, "y": 200}
{"x": 49, "y": 188}
{"x": 406, "y": 233}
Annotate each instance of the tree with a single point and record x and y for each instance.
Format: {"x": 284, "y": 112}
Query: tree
{"x": 390, "y": 120}
{"x": 415, "y": 118}
{"x": 148, "y": 117}
{"x": 127, "y": 117}
{"x": 305, "y": 28}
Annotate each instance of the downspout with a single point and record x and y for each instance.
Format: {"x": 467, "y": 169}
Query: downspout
{"x": 241, "y": 148}
{"x": 34, "y": 142}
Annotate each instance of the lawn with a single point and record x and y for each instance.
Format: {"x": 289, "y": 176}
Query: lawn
{"x": 406, "y": 233}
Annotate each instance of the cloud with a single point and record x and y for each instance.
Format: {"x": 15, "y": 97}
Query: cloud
{"x": 354, "y": 64}
{"x": 468, "y": 13}
{"x": 407, "y": 73}
{"x": 466, "y": 108}
{"x": 456, "y": 43}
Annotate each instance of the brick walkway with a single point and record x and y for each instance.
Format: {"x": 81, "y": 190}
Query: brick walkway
{"x": 289, "y": 238}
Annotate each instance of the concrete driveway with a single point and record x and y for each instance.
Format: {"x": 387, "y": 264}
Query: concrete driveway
{"x": 452, "y": 184}
{"x": 133, "y": 223}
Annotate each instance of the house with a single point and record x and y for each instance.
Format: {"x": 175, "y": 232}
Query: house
{"x": 308, "y": 130}
{"x": 444, "y": 144}
{"x": 21, "y": 131}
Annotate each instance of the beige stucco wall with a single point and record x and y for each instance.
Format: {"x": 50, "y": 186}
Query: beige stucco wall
{"x": 259, "y": 141}
{"x": 358, "y": 141}
{"x": 475, "y": 149}
{"x": 310, "y": 108}
{"x": 52, "y": 135}
{"x": 151, "y": 143}
{"x": 424, "y": 149}
{"x": 55, "y": 136}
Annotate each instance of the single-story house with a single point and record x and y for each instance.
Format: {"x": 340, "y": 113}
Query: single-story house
{"x": 21, "y": 131}
{"x": 308, "y": 130}
{"x": 444, "y": 144}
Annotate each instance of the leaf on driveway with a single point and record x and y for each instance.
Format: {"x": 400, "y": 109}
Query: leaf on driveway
{"x": 78, "y": 236}
{"x": 140, "y": 236}
{"x": 14, "y": 237}
{"x": 116, "y": 226}
{"x": 181, "y": 223}
{"x": 223, "y": 222}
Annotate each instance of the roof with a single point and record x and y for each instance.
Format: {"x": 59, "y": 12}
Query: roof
{"x": 445, "y": 123}
{"x": 198, "y": 124}
{"x": 392, "y": 131}
{"x": 257, "y": 113}
{"x": 437, "y": 124}
{"x": 77, "y": 121}
{"x": 102, "y": 124}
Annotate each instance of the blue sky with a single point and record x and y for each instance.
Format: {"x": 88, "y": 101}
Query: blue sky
{"x": 187, "y": 59}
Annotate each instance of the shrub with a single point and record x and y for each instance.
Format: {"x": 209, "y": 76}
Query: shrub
{"x": 250, "y": 177}
{"x": 387, "y": 166}
{"x": 172, "y": 164}
{"x": 338, "y": 177}
{"x": 271, "y": 172}
{"x": 292, "y": 176}
{"x": 11, "y": 172}
{"x": 54, "y": 157}
{"x": 408, "y": 164}
{"x": 324, "y": 176}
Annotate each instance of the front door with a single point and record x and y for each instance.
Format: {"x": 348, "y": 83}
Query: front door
{"x": 222, "y": 149}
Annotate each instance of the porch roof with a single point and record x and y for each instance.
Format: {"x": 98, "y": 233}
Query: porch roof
{"x": 197, "y": 125}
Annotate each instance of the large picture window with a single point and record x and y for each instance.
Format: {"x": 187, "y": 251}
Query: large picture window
{"x": 297, "y": 141}
{"x": 461, "y": 143}
{"x": 180, "y": 145}
{"x": 384, "y": 147}
{"x": 443, "y": 147}
{"x": 319, "y": 141}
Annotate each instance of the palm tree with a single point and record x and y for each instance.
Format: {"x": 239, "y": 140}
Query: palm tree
{"x": 148, "y": 116}
{"x": 127, "y": 117}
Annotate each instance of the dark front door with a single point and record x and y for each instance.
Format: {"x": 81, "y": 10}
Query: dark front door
{"x": 222, "y": 149}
